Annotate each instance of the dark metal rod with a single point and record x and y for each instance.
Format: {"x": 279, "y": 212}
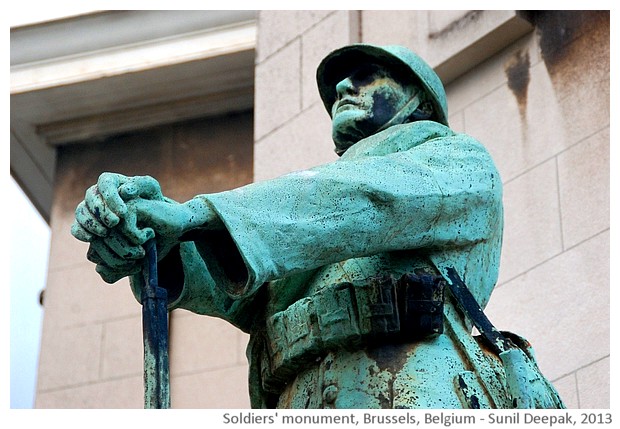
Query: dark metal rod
{"x": 155, "y": 334}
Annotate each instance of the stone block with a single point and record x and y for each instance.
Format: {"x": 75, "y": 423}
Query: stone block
{"x": 278, "y": 92}
{"x": 575, "y": 46}
{"x": 520, "y": 129}
{"x": 457, "y": 122}
{"x": 494, "y": 121}
{"x": 460, "y": 40}
{"x": 545, "y": 128}
{"x": 594, "y": 385}
{"x": 532, "y": 231}
{"x": 209, "y": 155}
{"x": 439, "y": 20}
{"x": 303, "y": 143}
{"x": 123, "y": 350}
{"x": 277, "y": 28}
{"x": 225, "y": 388}
{"x": 69, "y": 356}
{"x": 79, "y": 296}
{"x": 65, "y": 250}
{"x": 593, "y": 113}
{"x": 403, "y": 28}
{"x": 242, "y": 337}
{"x": 199, "y": 343}
{"x": 562, "y": 307}
{"x": 124, "y": 393}
{"x": 334, "y": 31}
{"x": 583, "y": 172}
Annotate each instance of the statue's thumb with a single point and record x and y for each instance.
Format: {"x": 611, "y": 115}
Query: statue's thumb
{"x": 141, "y": 187}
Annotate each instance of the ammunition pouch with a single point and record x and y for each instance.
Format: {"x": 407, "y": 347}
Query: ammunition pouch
{"x": 348, "y": 315}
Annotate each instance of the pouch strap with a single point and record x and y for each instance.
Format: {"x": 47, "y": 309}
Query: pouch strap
{"x": 468, "y": 304}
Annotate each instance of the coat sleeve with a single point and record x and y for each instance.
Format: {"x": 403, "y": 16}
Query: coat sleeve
{"x": 441, "y": 194}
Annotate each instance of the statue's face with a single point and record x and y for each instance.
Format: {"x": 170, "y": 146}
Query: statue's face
{"x": 366, "y": 100}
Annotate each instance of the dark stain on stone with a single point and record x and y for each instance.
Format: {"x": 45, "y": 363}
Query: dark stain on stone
{"x": 558, "y": 29}
{"x": 458, "y": 24}
{"x": 518, "y": 73}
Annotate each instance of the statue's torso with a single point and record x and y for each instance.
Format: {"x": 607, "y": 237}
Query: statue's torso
{"x": 313, "y": 355}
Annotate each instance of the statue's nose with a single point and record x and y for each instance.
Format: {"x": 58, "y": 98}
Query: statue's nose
{"x": 345, "y": 87}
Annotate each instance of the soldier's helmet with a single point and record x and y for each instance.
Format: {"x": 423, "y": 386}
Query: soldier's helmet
{"x": 339, "y": 64}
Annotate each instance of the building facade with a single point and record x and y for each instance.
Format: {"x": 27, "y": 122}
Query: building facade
{"x": 533, "y": 87}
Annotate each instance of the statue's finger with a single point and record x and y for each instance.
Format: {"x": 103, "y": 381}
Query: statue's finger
{"x": 108, "y": 186}
{"x": 110, "y": 275}
{"x": 123, "y": 247}
{"x": 141, "y": 186}
{"x": 80, "y": 233}
{"x": 105, "y": 255}
{"x": 89, "y": 222}
{"x": 99, "y": 208}
{"x": 129, "y": 227}
{"x": 93, "y": 256}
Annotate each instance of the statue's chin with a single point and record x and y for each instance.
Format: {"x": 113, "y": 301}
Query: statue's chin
{"x": 343, "y": 143}
{"x": 350, "y": 126}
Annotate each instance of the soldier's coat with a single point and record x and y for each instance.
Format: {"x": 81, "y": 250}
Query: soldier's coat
{"x": 416, "y": 195}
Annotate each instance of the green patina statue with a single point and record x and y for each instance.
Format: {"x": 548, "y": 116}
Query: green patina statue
{"x": 352, "y": 277}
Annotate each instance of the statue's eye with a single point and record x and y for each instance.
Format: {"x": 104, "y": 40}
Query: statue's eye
{"x": 365, "y": 74}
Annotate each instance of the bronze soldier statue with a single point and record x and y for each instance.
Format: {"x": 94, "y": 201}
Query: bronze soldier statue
{"x": 346, "y": 275}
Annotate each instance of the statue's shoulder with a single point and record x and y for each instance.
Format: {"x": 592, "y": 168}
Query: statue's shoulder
{"x": 434, "y": 134}
{"x": 422, "y": 131}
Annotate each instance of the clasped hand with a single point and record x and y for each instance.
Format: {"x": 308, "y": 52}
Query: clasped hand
{"x": 119, "y": 214}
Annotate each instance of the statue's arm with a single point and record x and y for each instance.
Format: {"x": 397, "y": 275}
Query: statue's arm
{"x": 190, "y": 286}
{"x": 443, "y": 193}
